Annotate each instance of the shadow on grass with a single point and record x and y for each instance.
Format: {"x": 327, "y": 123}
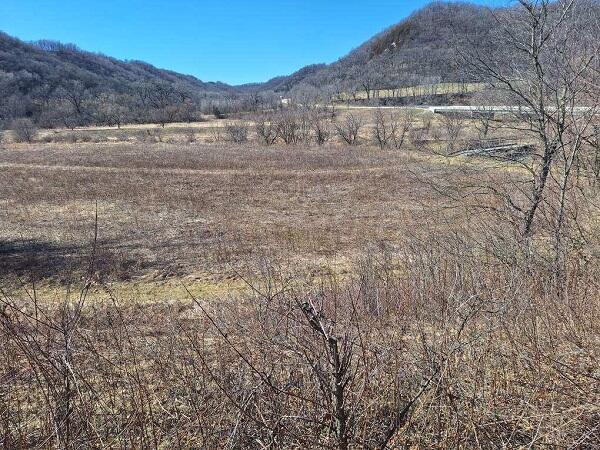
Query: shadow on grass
{"x": 65, "y": 263}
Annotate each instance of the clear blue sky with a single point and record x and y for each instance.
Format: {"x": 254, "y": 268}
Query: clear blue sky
{"x": 235, "y": 41}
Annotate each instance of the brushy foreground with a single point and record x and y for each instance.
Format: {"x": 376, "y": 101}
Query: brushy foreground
{"x": 429, "y": 346}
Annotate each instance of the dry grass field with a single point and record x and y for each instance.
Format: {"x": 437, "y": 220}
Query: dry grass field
{"x": 198, "y": 294}
{"x": 196, "y": 210}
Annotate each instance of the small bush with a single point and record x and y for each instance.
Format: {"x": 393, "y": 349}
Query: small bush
{"x": 24, "y": 130}
{"x": 237, "y": 132}
{"x": 218, "y": 113}
{"x": 349, "y": 129}
{"x": 266, "y": 129}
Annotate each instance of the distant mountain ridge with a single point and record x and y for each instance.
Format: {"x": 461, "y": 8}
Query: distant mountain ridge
{"x": 58, "y": 84}
{"x": 417, "y": 48}
{"x": 54, "y": 64}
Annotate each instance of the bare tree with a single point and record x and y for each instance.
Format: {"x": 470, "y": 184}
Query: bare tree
{"x": 484, "y": 117}
{"x": 400, "y": 127}
{"x": 266, "y": 129}
{"x": 289, "y": 127}
{"x": 321, "y": 126}
{"x": 349, "y": 129}
{"x": 548, "y": 70}
{"x": 24, "y": 130}
{"x": 454, "y": 126}
{"x": 76, "y": 94}
{"x": 382, "y": 133}
{"x": 237, "y": 132}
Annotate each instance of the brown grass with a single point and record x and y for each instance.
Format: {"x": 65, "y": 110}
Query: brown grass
{"x": 192, "y": 209}
{"x": 284, "y": 297}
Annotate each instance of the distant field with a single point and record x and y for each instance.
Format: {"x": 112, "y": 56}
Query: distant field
{"x": 173, "y": 204}
{"x": 418, "y": 91}
{"x": 201, "y": 211}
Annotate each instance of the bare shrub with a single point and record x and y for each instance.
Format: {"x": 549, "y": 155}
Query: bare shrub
{"x": 484, "y": 117}
{"x": 349, "y": 129}
{"x": 190, "y": 136}
{"x": 381, "y": 130}
{"x": 216, "y": 134}
{"x": 392, "y": 129}
{"x": 237, "y": 132}
{"x": 391, "y": 359}
{"x": 304, "y": 125}
{"x": 289, "y": 127}
{"x": 454, "y": 126}
{"x": 24, "y": 130}
{"x": 400, "y": 128}
{"x": 266, "y": 129}
{"x": 321, "y": 126}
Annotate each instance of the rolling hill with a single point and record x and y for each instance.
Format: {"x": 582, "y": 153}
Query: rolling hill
{"x": 50, "y": 64}
{"x": 418, "y": 50}
{"x": 38, "y": 79}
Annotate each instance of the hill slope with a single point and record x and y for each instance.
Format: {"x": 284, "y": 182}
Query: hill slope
{"x": 418, "y": 50}
{"x": 60, "y": 85}
{"x": 54, "y": 64}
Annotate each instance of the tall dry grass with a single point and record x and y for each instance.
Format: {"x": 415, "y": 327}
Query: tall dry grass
{"x": 436, "y": 344}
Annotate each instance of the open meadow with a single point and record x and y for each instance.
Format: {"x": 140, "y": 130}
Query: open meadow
{"x": 162, "y": 291}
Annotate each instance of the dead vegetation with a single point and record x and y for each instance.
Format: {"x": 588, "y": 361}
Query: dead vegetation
{"x": 388, "y": 299}
{"x": 426, "y": 346}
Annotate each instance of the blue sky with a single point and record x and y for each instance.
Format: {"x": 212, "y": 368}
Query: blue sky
{"x": 236, "y": 41}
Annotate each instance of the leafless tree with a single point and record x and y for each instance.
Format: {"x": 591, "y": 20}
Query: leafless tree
{"x": 24, "y": 130}
{"x": 349, "y": 129}
{"x": 548, "y": 70}
{"x": 381, "y": 131}
{"x": 77, "y": 95}
{"x": 266, "y": 129}
{"x": 400, "y": 126}
{"x": 237, "y": 132}
{"x": 321, "y": 126}
{"x": 289, "y": 128}
{"x": 484, "y": 117}
{"x": 391, "y": 129}
{"x": 454, "y": 126}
